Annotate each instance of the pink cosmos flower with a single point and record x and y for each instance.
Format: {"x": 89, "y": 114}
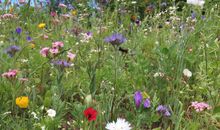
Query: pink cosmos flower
{"x": 44, "y": 51}
{"x": 200, "y": 106}
{"x": 54, "y": 51}
{"x": 57, "y": 44}
{"x": 62, "y": 5}
{"x": 70, "y": 55}
{"x": 10, "y": 74}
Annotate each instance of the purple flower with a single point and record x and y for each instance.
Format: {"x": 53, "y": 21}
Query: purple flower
{"x": 61, "y": 63}
{"x": 163, "y": 110}
{"x": 29, "y": 38}
{"x": 18, "y": 30}
{"x": 115, "y": 39}
{"x": 163, "y": 4}
{"x": 147, "y": 103}
{"x": 138, "y": 98}
{"x": 193, "y": 15}
{"x": 12, "y": 50}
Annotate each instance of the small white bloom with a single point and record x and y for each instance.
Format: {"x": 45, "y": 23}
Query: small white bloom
{"x": 196, "y": 2}
{"x": 158, "y": 74}
{"x": 187, "y": 73}
{"x": 51, "y": 113}
{"x": 35, "y": 115}
{"x": 120, "y": 124}
{"x": 43, "y": 127}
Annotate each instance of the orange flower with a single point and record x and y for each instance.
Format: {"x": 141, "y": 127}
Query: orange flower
{"x": 22, "y": 101}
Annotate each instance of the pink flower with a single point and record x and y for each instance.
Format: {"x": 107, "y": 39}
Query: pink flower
{"x": 7, "y": 16}
{"x": 53, "y": 13}
{"x": 57, "y": 44}
{"x": 54, "y": 51}
{"x": 21, "y": 1}
{"x": 23, "y": 80}
{"x": 45, "y": 36}
{"x": 44, "y": 51}
{"x": 62, "y": 5}
{"x": 70, "y": 55}
{"x": 10, "y": 74}
{"x": 65, "y": 16}
{"x": 200, "y": 106}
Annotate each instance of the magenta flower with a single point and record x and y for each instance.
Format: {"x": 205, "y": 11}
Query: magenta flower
{"x": 10, "y": 74}
{"x": 44, "y": 51}
{"x": 200, "y": 106}
{"x": 138, "y": 98}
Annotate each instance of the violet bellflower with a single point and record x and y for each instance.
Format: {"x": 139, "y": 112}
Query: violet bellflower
{"x": 163, "y": 110}
{"x": 12, "y": 50}
{"x": 138, "y": 98}
{"x": 18, "y": 30}
{"x": 115, "y": 39}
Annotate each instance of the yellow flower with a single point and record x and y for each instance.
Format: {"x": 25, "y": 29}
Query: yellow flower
{"x": 11, "y": 10}
{"x": 32, "y": 45}
{"x": 74, "y": 12}
{"x": 22, "y": 101}
{"x": 41, "y": 25}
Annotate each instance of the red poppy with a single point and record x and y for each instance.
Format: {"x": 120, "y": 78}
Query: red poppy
{"x": 90, "y": 114}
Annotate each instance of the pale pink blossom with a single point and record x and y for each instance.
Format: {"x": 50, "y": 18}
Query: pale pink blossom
{"x": 70, "y": 55}
{"x": 57, "y": 44}
{"x": 44, "y": 51}
{"x": 7, "y": 16}
{"x": 200, "y": 106}
{"x": 62, "y": 5}
{"x": 54, "y": 51}
{"x": 45, "y": 36}
{"x": 10, "y": 74}
{"x": 22, "y": 1}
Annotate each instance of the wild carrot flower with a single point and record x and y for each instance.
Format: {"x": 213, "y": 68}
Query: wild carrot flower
{"x": 44, "y": 51}
{"x": 196, "y": 2}
{"x": 86, "y": 37}
{"x": 22, "y": 101}
{"x": 163, "y": 110}
{"x": 115, "y": 39}
{"x": 41, "y": 25}
{"x": 200, "y": 106}
{"x": 90, "y": 114}
{"x": 12, "y": 50}
{"x": 187, "y": 73}
{"x": 120, "y": 124}
{"x": 10, "y": 74}
{"x": 138, "y": 98}
{"x": 51, "y": 113}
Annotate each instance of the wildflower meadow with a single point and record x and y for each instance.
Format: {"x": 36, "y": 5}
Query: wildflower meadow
{"x": 109, "y": 64}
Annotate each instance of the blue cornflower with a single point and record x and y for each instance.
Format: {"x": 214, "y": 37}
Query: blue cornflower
{"x": 18, "y": 30}
{"x": 61, "y": 63}
{"x": 12, "y": 50}
{"x": 29, "y": 38}
{"x": 193, "y": 15}
{"x": 115, "y": 39}
{"x": 163, "y": 110}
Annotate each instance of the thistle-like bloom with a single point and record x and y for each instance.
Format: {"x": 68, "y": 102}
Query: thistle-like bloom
{"x": 22, "y": 101}
{"x": 200, "y": 106}
{"x": 138, "y": 98}
{"x": 10, "y": 74}
{"x": 44, "y": 51}
{"x": 115, "y": 39}
{"x": 120, "y": 124}
{"x": 18, "y": 30}
{"x": 12, "y": 50}
{"x": 163, "y": 110}
{"x": 61, "y": 63}
{"x": 147, "y": 103}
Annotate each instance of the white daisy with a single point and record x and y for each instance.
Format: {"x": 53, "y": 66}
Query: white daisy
{"x": 120, "y": 124}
